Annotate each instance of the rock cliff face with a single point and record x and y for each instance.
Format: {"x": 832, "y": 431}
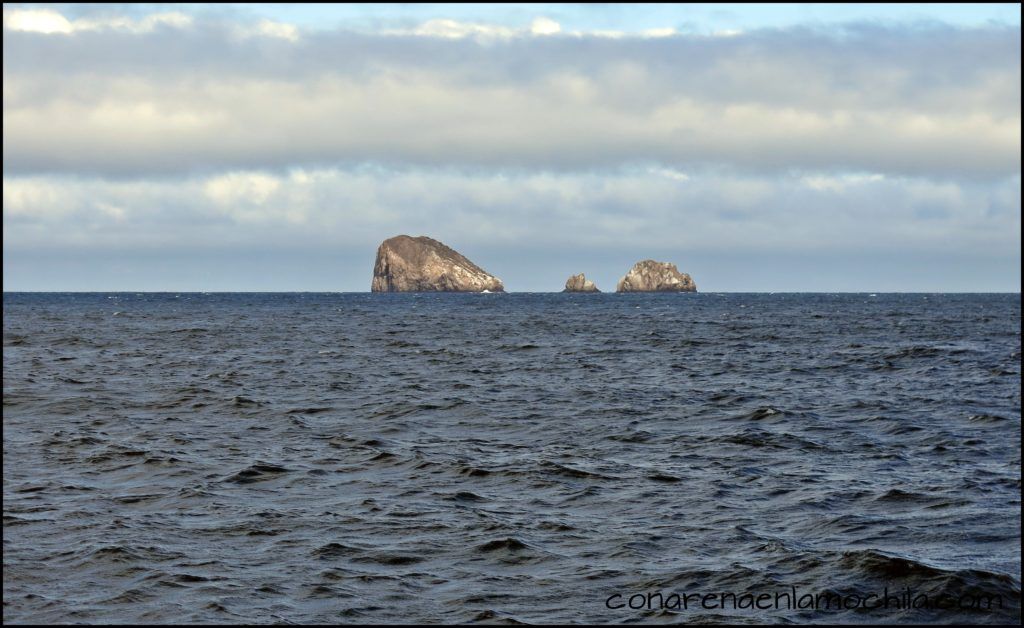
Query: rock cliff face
{"x": 407, "y": 264}
{"x": 652, "y": 276}
{"x": 579, "y": 283}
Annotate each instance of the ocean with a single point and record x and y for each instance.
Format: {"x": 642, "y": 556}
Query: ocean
{"x": 511, "y": 458}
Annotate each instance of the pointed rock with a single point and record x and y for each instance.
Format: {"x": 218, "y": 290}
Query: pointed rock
{"x": 652, "y": 276}
{"x": 579, "y": 283}
{"x": 422, "y": 264}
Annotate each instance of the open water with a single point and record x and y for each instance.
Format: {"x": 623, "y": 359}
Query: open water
{"x": 509, "y": 457}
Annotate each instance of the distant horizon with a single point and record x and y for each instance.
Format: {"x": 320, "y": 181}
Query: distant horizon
{"x": 581, "y": 295}
{"x": 527, "y": 271}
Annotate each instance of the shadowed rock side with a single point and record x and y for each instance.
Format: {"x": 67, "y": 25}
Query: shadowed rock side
{"x": 579, "y": 283}
{"x": 407, "y": 264}
{"x": 652, "y": 276}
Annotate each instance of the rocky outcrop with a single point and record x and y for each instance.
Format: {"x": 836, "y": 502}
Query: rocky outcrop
{"x": 407, "y": 264}
{"x": 579, "y": 283}
{"x": 652, "y": 276}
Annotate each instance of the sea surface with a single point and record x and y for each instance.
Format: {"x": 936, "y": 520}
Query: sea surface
{"x": 504, "y": 458}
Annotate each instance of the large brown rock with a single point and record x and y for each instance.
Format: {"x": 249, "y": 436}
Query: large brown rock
{"x": 407, "y": 264}
{"x": 579, "y": 283}
{"x": 652, "y": 276}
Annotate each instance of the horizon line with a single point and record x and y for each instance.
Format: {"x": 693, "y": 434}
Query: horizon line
{"x": 504, "y": 292}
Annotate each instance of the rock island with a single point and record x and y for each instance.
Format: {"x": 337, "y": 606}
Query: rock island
{"x": 422, "y": 264}
{"x": 652, "y": 276}
{"x": 579, "y": 283}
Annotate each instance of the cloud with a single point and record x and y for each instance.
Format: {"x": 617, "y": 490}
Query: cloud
{"x": 538, "y": 27}
{"x": 638, "y": 209}
{"x": 48, "y": 21}
{"x": 132, "y": 98}
{"x": 839, "y": 183}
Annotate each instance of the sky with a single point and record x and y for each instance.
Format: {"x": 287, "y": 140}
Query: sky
{"x": 272, "y": 147}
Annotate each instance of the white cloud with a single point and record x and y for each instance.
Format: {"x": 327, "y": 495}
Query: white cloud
{"x": 544, "y": 26}
{"x": 33, "y": 198}
{"x": 831, "y": 183}
{"x": 268, "y": 28}
{"x": 48, "y": 21}
{"x": 538, "y": 27}
{"x": 241, "y": 187}
{"x": 671, "y": 174}
{"x": 111, "y": 211}
{"x": 659, "y": 32}
{"x": 453, "y": 29}
{"x": 37, "y": 21}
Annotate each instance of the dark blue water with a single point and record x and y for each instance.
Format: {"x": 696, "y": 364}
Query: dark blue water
{"x": 508, "y": 458}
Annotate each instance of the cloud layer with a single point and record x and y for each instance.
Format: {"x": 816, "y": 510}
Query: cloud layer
{"x": 631, "y": 210}
{"x": 174, "y": 95}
